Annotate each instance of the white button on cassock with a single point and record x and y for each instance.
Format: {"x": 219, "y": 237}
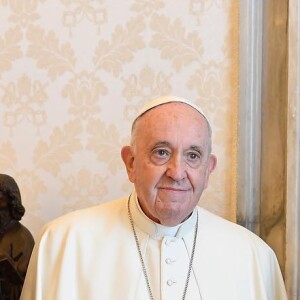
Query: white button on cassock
{"x": 169, "y": 260}
{"x": 170, "y": 282}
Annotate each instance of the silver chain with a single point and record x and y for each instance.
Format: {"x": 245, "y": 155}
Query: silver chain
{"x": 142, "y": 260}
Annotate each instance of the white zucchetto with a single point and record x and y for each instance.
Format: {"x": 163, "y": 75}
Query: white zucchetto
{"x": 167, "y": 99}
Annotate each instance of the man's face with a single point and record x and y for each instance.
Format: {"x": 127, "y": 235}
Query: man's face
{"x": 3, "y": 201}
{"x": 170, "y": 161}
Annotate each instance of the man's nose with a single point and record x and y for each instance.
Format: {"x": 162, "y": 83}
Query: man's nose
{"x": 176, "y": 168}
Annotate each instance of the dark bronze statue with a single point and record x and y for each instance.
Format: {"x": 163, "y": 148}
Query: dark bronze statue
{"x": 16, "y": 242}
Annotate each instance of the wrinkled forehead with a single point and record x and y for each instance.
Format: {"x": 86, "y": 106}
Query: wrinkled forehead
{"x": 169, "y": 99}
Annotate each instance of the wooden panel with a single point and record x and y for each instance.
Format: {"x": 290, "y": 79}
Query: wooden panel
{"x": 274, "y": 104}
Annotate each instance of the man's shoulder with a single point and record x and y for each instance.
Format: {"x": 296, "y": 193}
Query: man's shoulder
{"x": 86, "y": 218}
{"x": 230, "y": 234}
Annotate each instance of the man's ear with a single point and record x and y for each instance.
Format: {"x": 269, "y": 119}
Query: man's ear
{"x": 212, "y": 162}
{"x": 128, "y": 159}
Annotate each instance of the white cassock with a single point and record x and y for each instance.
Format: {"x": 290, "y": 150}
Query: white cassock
{"x": 92, "y": 254}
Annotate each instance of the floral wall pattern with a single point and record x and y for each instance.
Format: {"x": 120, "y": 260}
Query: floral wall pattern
{"x": 73, "y": 74}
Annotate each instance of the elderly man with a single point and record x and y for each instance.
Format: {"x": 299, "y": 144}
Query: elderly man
{"x": 16, "y": 242}
{"x": 156, "y": 243}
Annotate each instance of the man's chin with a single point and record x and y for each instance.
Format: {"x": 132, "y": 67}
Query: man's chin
{"x": 171, "y": 216}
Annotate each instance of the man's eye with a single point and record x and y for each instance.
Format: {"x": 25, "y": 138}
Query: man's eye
{"x": 160, "y": 153}
{"x": 160, "y": 156}
{"x": 193, "y": 159}
{"x": 193, "y": 156}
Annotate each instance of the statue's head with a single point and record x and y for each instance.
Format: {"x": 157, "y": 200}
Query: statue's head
{"x": 10, "y": 190}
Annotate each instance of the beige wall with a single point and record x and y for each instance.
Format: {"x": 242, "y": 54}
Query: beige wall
{"x": 72, "y": 75}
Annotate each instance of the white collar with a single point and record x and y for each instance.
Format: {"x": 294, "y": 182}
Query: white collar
{"x": 155, "y": 230}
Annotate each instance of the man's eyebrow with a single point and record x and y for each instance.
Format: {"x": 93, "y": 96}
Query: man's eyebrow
{"x": 162, "y": 144}
{"x": 196, "y": 148}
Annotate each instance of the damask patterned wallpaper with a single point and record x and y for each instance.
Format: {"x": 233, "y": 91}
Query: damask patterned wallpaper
{"x": 73, "y": 73}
